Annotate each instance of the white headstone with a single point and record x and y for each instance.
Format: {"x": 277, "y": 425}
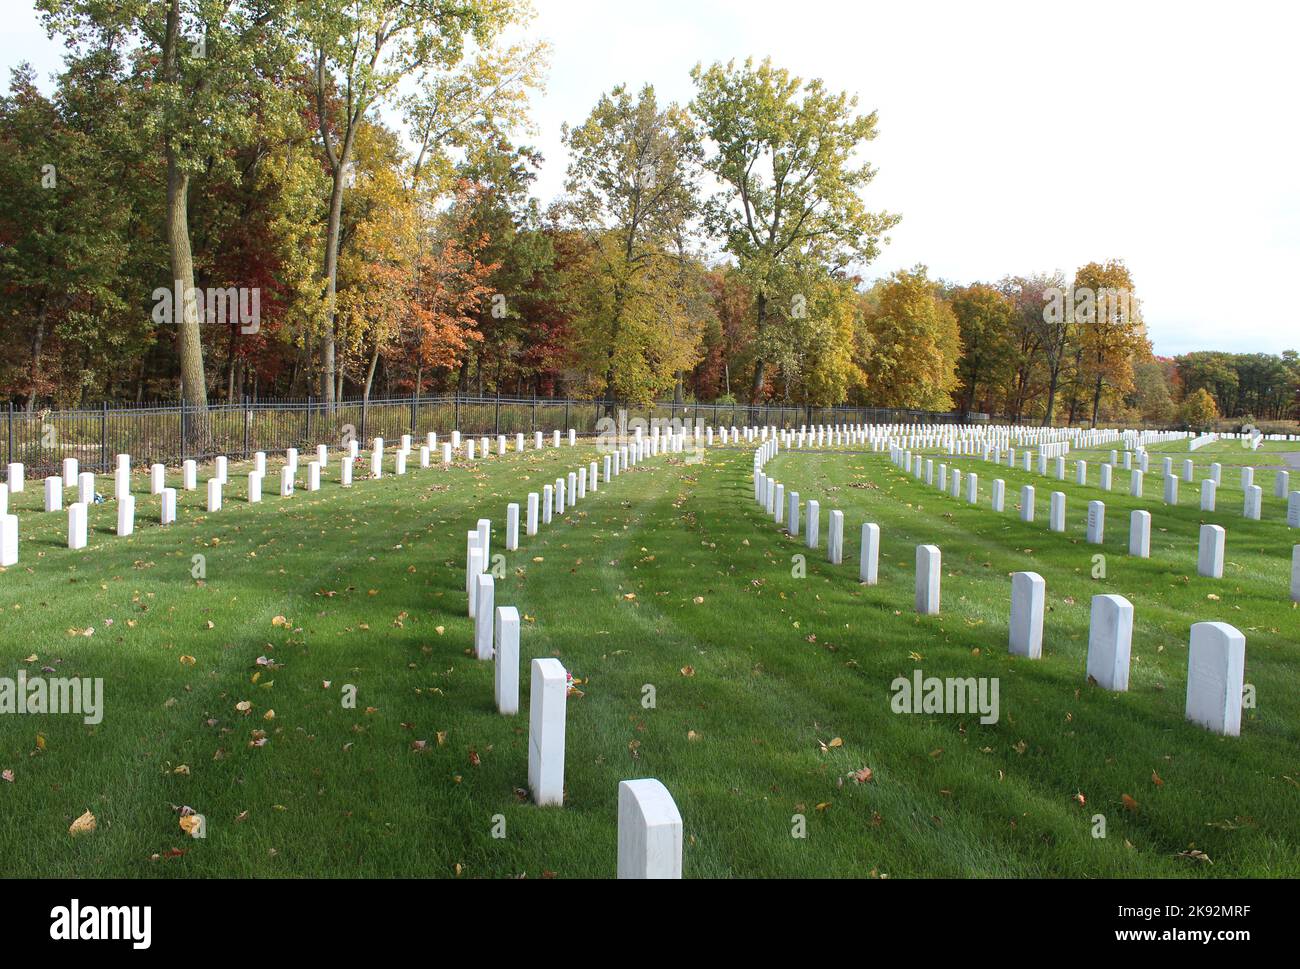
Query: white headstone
{"x": 221, "y": 469}
{"x": 1028, "y": 600}
{"x": 1209, "y": 556}
{"x": 869, "y": 563}
{"x": 484, "y": 613}
{"x": 473, "y": 569}
{"x": 506, "y": 656}
{"x": 1096, "y": 522}
{"x": 530, "y": 525}
{"x": 1139, "y": 534}
{"x": 1295, "y": 573}
{"x": 69, "y": 472}
{"x": 1110, "y": 641}
{"x": 1027, "y": 503}
{"x": 649, "y": 831}
{"x": 399, "y": 462}
{"x": 512, "y": 527}
{"x": 548, "y": 500}
{"x": 999, "y": 494}
{"x": 286, "y": 481}
{"x": 484, "y": 527}
{"x": 1056, "y": 512}
{"x": 1293, "y": 509}
{"x": 835, "y": 538}
{"x": 1253, "y": 503}
{"x": 17, "y": 477}
{"x": 1171, "y": 490}
{"x": 377, "y": 458}
{"x": 1189, "y": 470}
{"x": 928, "y": 563}
{"x": 1135, "y": 484}
{"x": 54, "y": 493}
{"x": 167, "y": 509}
{"x": 254, "y": 487}
{"x": 86, "y": 488}
{"x": 1216, "y": 670}
{"x": 1209, "y": 494}
{"x": 792, "y": 515}
{"x": 345, "y": 472}
{"x": 1281, "y": 484}
{"x": 190, "y": 474}
{"x": 548, "y": 694}
{"x": 76, "y": 525}
{"x": 157, "y": 479}
{"x": 125, "y": 515}
{"x": 214, "y": 494}
{"x": 813, "y": 529}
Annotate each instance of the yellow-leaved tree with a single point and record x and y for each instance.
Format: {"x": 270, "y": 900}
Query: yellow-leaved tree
{"x": 912, "y": 343}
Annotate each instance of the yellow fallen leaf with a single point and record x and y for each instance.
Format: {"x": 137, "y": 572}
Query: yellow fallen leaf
{"x": 83, "y": 825}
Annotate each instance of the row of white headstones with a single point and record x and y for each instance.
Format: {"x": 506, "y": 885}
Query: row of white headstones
{"x": 1217, "y": 655}
{"x": 649, "y": 822}
{"x": 125, "y": 501}
{"x": 86, "y": 494}
{"x": 1253, "y": 494}
{"x": 1211, "y": 540}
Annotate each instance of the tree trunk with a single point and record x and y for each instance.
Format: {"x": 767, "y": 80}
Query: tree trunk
{"x": 331, "y": 274}
{"x": 760, "y": 305}
{"x": 370, "y": 373}
{"x": 38, "y": 339}
{"x": 189, "y": 337}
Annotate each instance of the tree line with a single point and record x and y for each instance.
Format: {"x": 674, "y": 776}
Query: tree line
{"x": 335, "y": 198}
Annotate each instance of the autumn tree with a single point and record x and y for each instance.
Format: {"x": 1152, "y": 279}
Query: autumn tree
{"x": 785, "y": 152}
{"x": 361, "y": 52}
{"x": 197, "y": 65}
{"x": 985, "y": 318}
{"x": 913, "y": 342}
{"x": 1111, "y": 333}
{"x": 1198, "y": 410}
{"x": 631, "y": 189}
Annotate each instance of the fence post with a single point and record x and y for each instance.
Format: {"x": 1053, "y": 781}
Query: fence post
{"x": 566, "y": 414}
{"x": 181, "y": 444}
{"x": 247, "y": 414}
{"x": 456, "y": 422}
{"x": 415, "y": 402}
{"x": 11, "y": 433}
{"x": 307, "y": 436}
{"x": 496, "y": 418}
{"x": 533, "y": 428}
{"x": 103, "y": 437}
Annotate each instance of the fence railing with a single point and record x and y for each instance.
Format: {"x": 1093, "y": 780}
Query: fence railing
{"x": 171, "y": 433}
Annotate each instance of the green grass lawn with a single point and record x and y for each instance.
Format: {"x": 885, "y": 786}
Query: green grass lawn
{"x": 771, "y": 691}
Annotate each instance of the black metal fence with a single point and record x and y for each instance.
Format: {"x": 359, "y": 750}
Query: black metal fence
{"x": 170, "y": 433}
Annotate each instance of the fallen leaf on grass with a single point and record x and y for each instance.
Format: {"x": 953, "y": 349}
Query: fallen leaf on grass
{"x": 83, "y": 825}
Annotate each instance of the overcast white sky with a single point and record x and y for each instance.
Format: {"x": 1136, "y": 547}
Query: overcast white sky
{"x": 1014, "y": 137}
